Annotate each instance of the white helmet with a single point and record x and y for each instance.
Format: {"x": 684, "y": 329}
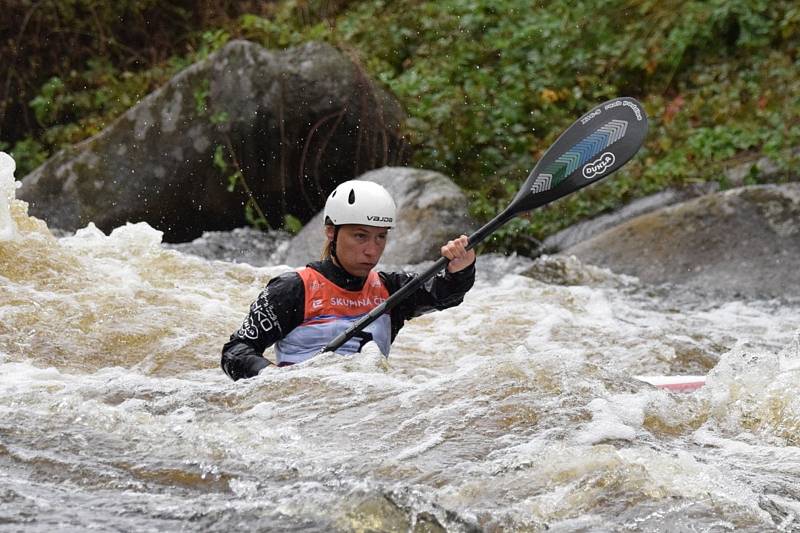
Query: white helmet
{"x": 360, "y": 202}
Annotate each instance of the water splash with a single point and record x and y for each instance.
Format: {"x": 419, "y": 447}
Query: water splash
{"x": 90, "y": 300}
{"x": 516, "y": 410}
{"x": 8, "y": 229}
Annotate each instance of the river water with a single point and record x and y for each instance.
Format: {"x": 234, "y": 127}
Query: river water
{"x": 516, "y": 411}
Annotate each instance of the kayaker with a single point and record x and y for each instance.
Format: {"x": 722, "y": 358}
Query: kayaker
{"x": 301, "y": 311}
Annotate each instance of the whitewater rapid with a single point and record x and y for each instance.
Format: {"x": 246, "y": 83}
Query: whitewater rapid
{"x": 516, "y": 411}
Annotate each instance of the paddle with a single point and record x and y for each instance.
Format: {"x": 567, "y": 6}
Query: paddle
{"x": 595, "y": 146}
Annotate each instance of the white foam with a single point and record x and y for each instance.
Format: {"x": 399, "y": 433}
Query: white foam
{"x": 520, "y": 394}
{"x": 8, "y": 228}
{"x": 128, "y": 240}
{"x": 618, "y": 417}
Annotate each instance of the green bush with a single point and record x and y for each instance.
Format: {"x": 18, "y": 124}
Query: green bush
{"x": 488, "y": 85}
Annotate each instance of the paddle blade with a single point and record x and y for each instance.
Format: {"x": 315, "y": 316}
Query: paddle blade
{"x": 594, "y": 147}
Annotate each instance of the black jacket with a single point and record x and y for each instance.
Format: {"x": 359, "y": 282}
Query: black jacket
{"x": 280, "y": 308}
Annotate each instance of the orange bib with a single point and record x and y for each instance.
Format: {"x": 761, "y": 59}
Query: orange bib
{"x": 328, "y": 311}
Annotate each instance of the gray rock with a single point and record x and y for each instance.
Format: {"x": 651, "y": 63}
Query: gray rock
{"x": 584, "y": 230}
{"x": 742, "y": 242}
{"x": 431, "y": 210}
{"x": 567, "y": 270}
{"x": 298, "y": 121}
{"x": 242, "y": 245}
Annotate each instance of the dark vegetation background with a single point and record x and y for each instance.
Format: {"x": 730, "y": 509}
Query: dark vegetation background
{"x": 488, "y": 84}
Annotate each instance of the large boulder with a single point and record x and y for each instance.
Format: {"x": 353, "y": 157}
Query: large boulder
{"x": 431, "y": 209}
{"x": 589, "y": 228}
{"x": 741, "y": 242}
{"x": 296, "y": 122}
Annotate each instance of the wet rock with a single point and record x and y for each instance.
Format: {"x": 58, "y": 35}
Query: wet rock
{"x": 431, "y": 210}
{"x": 568, "y": 270}
{"x": 296, "y": 122}
{"x": 241, "y": 245}
{"x": 742, "y": 242}
{"x": 585, "y": 230}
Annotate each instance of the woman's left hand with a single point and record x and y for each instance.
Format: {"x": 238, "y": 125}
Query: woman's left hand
{"x": 456, "y": 251}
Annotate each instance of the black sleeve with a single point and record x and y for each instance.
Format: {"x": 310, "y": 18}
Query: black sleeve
{"x": 277, "y": 311}
{"x": 444, "y": 290}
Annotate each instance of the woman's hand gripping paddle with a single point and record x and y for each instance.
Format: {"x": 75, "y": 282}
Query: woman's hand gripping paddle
{"x": 594, "y": 147}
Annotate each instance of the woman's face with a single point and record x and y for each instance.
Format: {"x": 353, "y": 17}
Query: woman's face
{"x": 358, "y": 248}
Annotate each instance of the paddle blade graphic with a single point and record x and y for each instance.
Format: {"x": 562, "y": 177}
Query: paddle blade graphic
{"x": 594, "y": 147}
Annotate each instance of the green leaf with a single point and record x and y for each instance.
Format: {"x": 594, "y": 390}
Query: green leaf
{"x": 292, "y": 224}
{"x": 219, "y": 158}
{"x": 233, "y": 179}
{"x": 253, "y": 217}
{"x": 220, "y": 117}
{"x": 201, "y": 98}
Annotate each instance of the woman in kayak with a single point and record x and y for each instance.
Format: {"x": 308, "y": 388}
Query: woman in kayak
{"x": 301, "y": 311}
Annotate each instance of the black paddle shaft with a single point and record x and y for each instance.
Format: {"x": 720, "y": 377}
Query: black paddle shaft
{"x": 595, "y": 146}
